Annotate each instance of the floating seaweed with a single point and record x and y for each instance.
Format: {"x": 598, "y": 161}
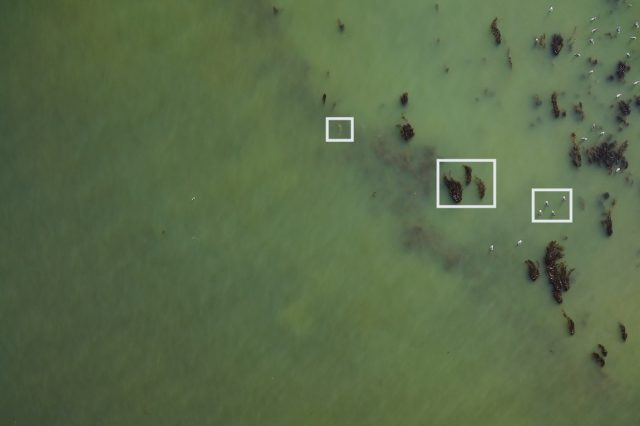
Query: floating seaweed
{"x": 554, "y": 106}
{"x": 598, "y": 359}
{"x": 406, "y": 130}
{"x": 495, "y": 31}
{"x": 564, "y": 276}
{"x": 558, "y": 274}
{"x": 571, "y": 326}
{"x": 481, "y": 187}
{"x": 624, "y": 108}
{"x": 275, "y": 10}
{"x": 533, "y": 269}
{"x": 592, "y": 61}
{"x": 574, "y": 153}
{"x": 577, "y": 108}
{"x": 556, "y": 44}
{"x": 509, "y": 60}
{"x": 623, "y": 332}
{"x": 621, "y": 69}
{"x": 609, "y": 155}
{"x": 607, "y": 223}
{"x": 324, "y": 98}
{"x": 454, "y": 187}
{"x": 603, "y": 350}
{"x": 404, "y": 98}
{"x": 540, "y": 41}
{"x": 467, "y": 174}
{"x": 622, "y": 121}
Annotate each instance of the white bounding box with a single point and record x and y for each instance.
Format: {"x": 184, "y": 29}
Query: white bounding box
{"x": 533, "y": 205}
{"x": 327, "y": 137}
{"x": 493, "y": 205}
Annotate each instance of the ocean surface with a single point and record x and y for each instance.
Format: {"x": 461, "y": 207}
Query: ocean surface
{"x": 179, "y": 245}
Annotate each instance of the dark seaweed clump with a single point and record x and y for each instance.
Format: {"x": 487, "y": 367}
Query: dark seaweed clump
{"x": 555, "y": 109}
{"x": 607, "y": 223}
{"x": 623, "y": 332}
{"x": 404, "y": 98}
{"x": 407, "y": 132}
{"x": 624, "y": 108}
{"x": 533, "y": 269}
{"x": 603, "y": 350}
{"x": 598, "y": 359}
{"x": 467, "y": 174}
{"x": 454, "y": 187}
{"x": 574, "y": 153}
{"x": 557, "y": 272}
{"x": 556, "y": 44}
{"x": 481, "y": 187}
{"x": 495, "y": 31}
{"x": 571, "y": 325}
{"x": 609, "y": 154}
{"x": 621, "y": 69}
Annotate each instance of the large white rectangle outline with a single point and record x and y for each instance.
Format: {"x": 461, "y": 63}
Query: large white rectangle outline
{"x": 326, "y": 129}
{"x": 533, "y": 207}
{"x": 466, "y": 206}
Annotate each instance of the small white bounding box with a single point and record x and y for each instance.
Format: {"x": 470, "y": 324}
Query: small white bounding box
{"x": 533, "y": 205}
{"x": 466, "y": 206}
{"x": 327, "y": 137}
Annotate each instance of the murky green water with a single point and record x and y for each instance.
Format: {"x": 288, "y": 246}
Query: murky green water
{"x": 180, "y": 246}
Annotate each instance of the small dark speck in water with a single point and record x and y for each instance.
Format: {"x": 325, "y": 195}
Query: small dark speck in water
{"x": 537, "y": 101}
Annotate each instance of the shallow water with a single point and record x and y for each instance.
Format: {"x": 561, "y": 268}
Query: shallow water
{"x": 180, "y": 246}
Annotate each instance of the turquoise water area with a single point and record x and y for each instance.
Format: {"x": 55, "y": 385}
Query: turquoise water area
{"x": 180, "y": 246}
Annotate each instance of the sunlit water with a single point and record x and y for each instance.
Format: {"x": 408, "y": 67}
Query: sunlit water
{"x": 180, "y": 246}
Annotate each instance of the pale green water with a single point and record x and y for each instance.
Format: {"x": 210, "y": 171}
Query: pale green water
{"x": 180, "y": 246}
